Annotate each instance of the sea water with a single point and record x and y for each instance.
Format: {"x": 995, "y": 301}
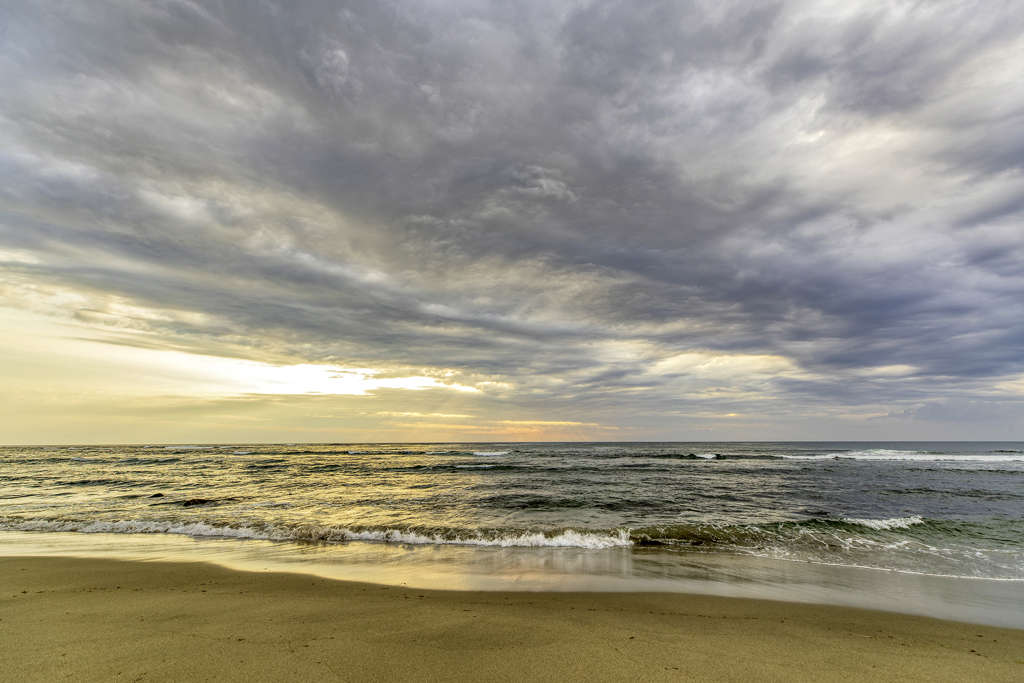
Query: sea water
{"x": 934, "y": 528}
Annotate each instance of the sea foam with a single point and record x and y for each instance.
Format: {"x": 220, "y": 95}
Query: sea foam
{"x": 919, "y": 456}
{"x": 885, "y": 524}
{"x": 565, "y": 539}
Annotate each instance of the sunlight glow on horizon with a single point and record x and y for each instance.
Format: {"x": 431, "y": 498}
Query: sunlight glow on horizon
{"x": 71, "y": 353}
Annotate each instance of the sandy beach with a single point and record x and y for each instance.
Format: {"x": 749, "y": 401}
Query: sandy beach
{"x": 93, "y": 619}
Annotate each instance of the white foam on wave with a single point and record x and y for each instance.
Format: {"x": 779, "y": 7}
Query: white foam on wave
{"x": 826, "y": 456}
{"x": 131, "y": 526}
{"x": 490, "y": 452}
{"x": 884, "y": 454}
{"x": 883, "y": 524}
{"x": 475, "y": 467}
{"x": 707, "y": 456}
{"x": 565, "y": 539}
{"x": 188, "y": 448}
{"x": 916, "y": 456}
{"x": 241, "y": 452}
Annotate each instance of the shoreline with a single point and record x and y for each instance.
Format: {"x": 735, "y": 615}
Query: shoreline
{"x": 107, "y": 619}
{"x": 563, "y": 570}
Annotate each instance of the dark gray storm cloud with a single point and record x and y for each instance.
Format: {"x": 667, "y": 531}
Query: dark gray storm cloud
{"x": 585, "y": 203}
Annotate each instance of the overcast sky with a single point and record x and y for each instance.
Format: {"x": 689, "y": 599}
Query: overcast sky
{"x": 253, "y": 220}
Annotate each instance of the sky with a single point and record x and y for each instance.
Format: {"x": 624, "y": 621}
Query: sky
{"x": 426, "y": 220}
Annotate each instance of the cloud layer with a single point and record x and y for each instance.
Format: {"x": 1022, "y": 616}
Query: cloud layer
{"x": 625, "y": 213}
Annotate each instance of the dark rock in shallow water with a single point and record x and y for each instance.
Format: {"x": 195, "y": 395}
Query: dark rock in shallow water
{"x": 197, "y": 501}
{"x": 157, "y": 495}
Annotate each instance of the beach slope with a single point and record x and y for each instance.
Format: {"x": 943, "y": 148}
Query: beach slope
{"x": 106, "y": 620}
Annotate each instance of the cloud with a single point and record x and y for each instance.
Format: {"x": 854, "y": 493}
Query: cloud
{"x": 964, "y": 411}
{"x": 554, "y": 203}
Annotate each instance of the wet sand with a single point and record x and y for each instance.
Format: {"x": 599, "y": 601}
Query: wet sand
{"x": 108, "y": 620}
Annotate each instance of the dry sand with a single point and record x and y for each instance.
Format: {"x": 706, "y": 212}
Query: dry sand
{"x": 106, "y": 620}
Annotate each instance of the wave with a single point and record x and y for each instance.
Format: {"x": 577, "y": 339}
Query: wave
{"x": 490, "y": 452}
{"x": 143, "y": 461}
{"x": 687, "y": 534}
{"x": 895, "y": 523}
{"x": 918, "y": 456}
{"x": 269, "y": 464}
{"x": 567, "y": 538}
{"x": 455, "y": 467}
{"x": 906, "y": 544}
{"x": 826, "y": 533}
{"x": 387, "y": 451}
{"x": 868, "y": 455}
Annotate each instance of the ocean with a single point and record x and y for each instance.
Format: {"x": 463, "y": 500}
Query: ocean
{"x": 933, "y": 527}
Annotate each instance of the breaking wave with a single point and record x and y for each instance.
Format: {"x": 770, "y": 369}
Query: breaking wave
{"x": 895, "y": 523}
{"x": 905, "y": 544}
{"x": 919, "y": 456}
{"x": 566, "y": 538}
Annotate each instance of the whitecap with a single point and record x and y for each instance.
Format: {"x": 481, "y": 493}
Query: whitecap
{"x": 881, "y": 454}
{"x": 565, "y": 539}
{"x": 884, "y": 524}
